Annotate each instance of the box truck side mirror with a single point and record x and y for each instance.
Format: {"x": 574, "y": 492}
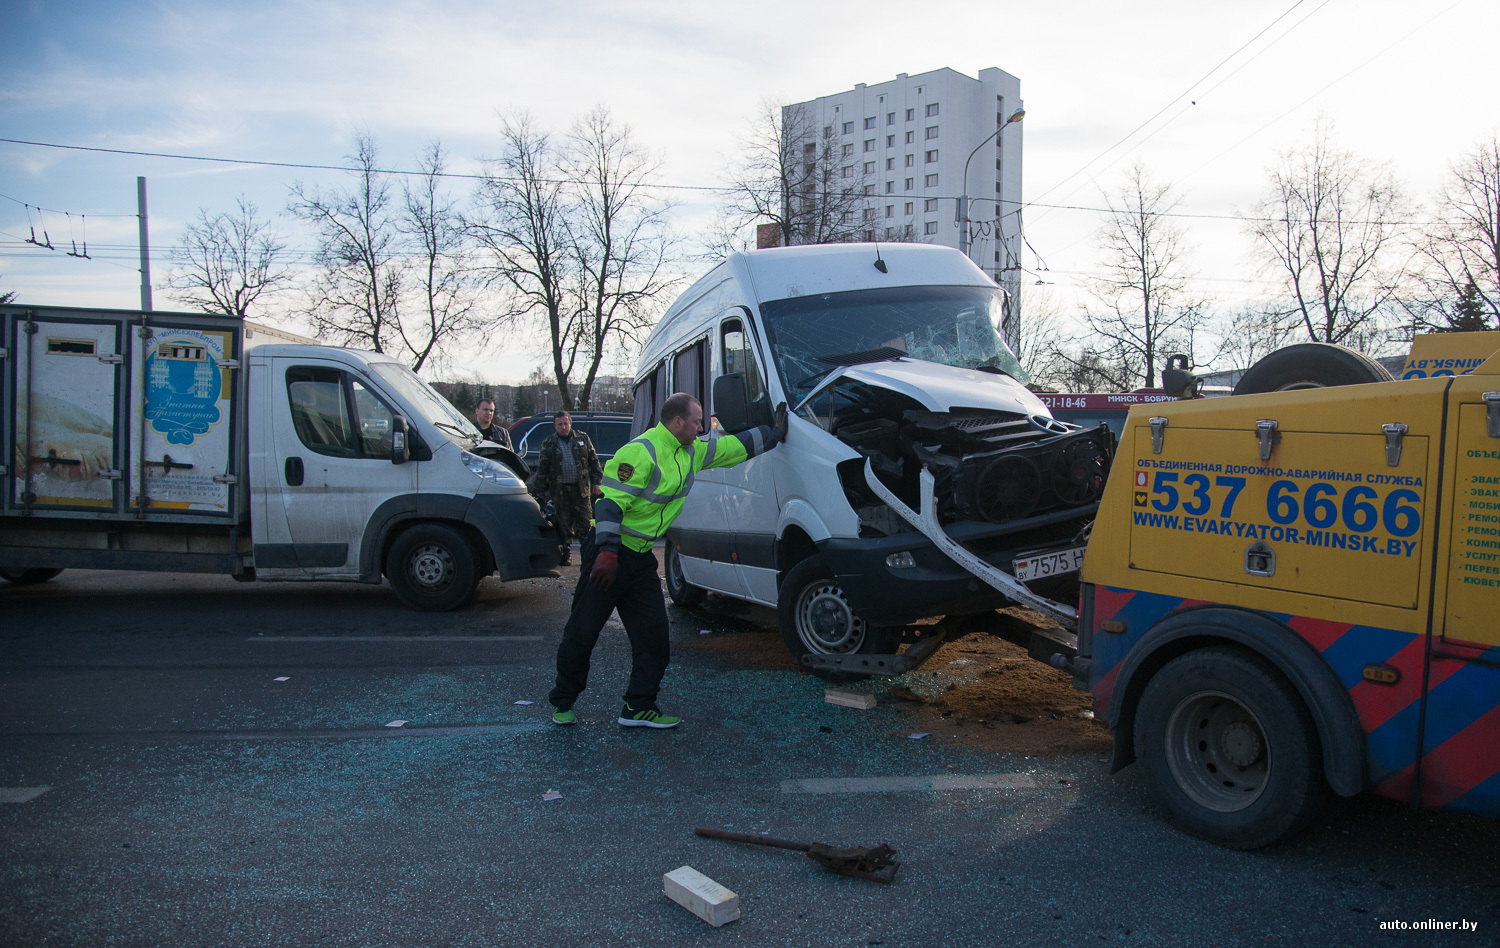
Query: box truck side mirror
{"x": 731, "y": 404}
{"x": 400, "y": 452}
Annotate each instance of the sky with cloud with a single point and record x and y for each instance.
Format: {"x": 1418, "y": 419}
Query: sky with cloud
{"x": 1399, "y": 83}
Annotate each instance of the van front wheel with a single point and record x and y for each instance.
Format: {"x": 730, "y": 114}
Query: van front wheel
{"x": 816, "y": 619}
{"x": 683, "y": 593}
{"x": 432, "y": 568}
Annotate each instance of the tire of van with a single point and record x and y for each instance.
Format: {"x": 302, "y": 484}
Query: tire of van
{"x": 1310, "y": 365}
{"x": 1228, "y": 750}
{"x": 815, "y": 618}
{"x": 432, "y": 568}
{"x": 28, "y": 577}
{"x": 683, "y": 593}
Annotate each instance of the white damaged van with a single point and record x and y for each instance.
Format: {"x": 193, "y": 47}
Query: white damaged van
{"x": 889, "y": 359}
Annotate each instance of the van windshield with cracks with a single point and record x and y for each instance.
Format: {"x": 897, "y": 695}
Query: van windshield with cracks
{"x": 951, "y": 325}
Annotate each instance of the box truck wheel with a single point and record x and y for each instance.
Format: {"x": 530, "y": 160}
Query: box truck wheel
{"x": 28, "y": 577}
{"x": 432, "y": 568}
{"x": 1310, "y": 365}
{"x": 816, "y": 618}
{"x": 683, "y": 593}
{"x": 1228, "y": 750}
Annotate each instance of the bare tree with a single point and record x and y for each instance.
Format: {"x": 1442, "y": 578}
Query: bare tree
{"x": 443, "y": 304}
{"x": 520, "y": 223}
{"x": 618, "y": 238}
{"x": 574, "y": 234}
{"x": 1330, "y": 227}
{"x": 801, "y": 178}
{"x": 1458, "y": 272}
{"x": 1147, "y": 310}
{"x": 227, "y": 262}
{"x": 355, "y": 293}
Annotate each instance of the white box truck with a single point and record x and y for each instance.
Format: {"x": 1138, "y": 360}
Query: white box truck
{"x": 153, "y": 441}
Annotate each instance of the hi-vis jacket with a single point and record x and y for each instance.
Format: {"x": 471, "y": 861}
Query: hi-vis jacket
{"x": 646, "y": 481}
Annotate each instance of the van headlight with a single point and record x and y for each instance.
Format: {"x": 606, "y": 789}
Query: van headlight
{"x": 492, "y": 472}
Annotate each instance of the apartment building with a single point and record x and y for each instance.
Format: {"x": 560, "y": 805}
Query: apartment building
{"x": 889, "y": 161}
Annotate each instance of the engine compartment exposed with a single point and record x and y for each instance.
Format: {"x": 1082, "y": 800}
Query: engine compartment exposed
{"x": 1007, "y": 470}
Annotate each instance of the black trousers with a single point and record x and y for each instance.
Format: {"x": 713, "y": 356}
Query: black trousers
{"x": 637, "y": 596}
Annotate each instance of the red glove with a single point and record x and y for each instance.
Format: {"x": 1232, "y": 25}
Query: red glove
{"x": 606, "y": 564}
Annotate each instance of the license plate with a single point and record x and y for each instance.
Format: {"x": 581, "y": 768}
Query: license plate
{"x": 1042, "y": 565}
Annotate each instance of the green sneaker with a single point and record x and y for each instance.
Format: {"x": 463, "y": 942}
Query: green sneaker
{"x": 647, "y": 716}
{"x": 564, "y": 716}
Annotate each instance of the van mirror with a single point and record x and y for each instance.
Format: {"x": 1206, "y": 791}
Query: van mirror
{"x": 731, "y": 403}
{"x": 400, "y": 452}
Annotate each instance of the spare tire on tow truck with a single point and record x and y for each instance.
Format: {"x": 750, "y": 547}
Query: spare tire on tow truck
{"x": 1310, "y": 365}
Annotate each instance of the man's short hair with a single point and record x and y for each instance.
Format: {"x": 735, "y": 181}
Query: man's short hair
{"x": 491, "y": 402}
{"x": 677, "y": 406}
{"x": 560, "y": 413}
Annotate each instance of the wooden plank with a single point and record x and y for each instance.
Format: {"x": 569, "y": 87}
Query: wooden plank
{"x": 701, "y": 895}
{"x": 848, "y": 699}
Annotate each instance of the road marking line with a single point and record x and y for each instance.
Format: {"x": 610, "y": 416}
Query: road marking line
{"x": 290, "y": 734}
{"x": 21, "y": 794}
{"x": 906, "y": 784}
{"x": 394, "y": 638}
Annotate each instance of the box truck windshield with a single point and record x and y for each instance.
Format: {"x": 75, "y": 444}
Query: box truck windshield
{"x": 430, "y": 404}
{"x": 951, "y": 325}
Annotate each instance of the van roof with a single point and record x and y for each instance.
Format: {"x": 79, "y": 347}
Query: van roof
{"x": 784, "y": 272}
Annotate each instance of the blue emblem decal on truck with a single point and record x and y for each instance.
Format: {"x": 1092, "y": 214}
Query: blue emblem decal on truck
{"x": 183, "y": 384}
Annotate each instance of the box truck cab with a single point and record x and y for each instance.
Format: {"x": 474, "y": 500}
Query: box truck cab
{"x": 887, "y": 356}
{"x": 153, "y": 442}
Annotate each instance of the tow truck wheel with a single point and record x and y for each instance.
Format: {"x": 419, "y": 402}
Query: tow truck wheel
{"x": 683, "y": 593}
{"x": 28, "y": 577}
{"x": 816, "y": 619}
{"x": 432, "y": 568}
{"x": 1228, "y": 750}
{"x": 1310, "y": 365}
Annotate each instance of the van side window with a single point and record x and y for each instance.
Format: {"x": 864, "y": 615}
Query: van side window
{"x": 739, "y": 356}
{"x": 336, "y": 416}
{"x": 688, "y": 371}
{"x": 645, "y": 403}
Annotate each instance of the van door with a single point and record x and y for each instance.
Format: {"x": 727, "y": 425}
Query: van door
{"x": 749, "y": 490}
{"x": 330, "y": 466}
{"x": 701, "y": 531}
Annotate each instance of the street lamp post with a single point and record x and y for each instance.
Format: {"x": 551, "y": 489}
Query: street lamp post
{"x": 963, "y": 201}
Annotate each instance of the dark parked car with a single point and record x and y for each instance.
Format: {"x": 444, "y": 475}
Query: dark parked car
{"x": 607, "y": 430}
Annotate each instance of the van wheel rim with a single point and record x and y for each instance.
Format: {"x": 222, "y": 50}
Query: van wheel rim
{"x": 674, "y": 570}
{"x": 432, "y": 566}
{"x": 825, "y": 622}
{"x": 1217, "y": 752}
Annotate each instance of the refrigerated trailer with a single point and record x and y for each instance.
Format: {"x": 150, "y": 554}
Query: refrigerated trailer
{"x": 154, "y": 441}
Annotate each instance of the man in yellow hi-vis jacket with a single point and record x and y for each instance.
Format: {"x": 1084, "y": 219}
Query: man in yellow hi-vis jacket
{"x": 644, "y": 485}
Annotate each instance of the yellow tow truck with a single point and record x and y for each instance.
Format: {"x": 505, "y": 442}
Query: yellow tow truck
{"x": 1297, "y": 593}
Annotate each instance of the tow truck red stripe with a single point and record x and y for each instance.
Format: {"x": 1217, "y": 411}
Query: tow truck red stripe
{"x": 1462, "y": 762}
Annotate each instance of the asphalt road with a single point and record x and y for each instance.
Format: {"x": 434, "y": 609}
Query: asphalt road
{"x": 194, "y": 799}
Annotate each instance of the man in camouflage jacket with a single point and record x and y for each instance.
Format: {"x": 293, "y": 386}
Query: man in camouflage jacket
{"x": 568, "y": 474}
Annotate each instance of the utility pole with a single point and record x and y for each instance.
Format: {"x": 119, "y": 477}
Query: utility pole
{"x": 963, "y": 201}
{"x": 140, "y": 200}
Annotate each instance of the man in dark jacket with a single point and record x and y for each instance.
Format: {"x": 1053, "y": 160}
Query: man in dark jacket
{"x": 568, "y": 474}
{"x": 484, "y": 420}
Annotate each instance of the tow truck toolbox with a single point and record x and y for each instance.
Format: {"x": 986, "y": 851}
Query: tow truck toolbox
{"x": 1296, "y": 592}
